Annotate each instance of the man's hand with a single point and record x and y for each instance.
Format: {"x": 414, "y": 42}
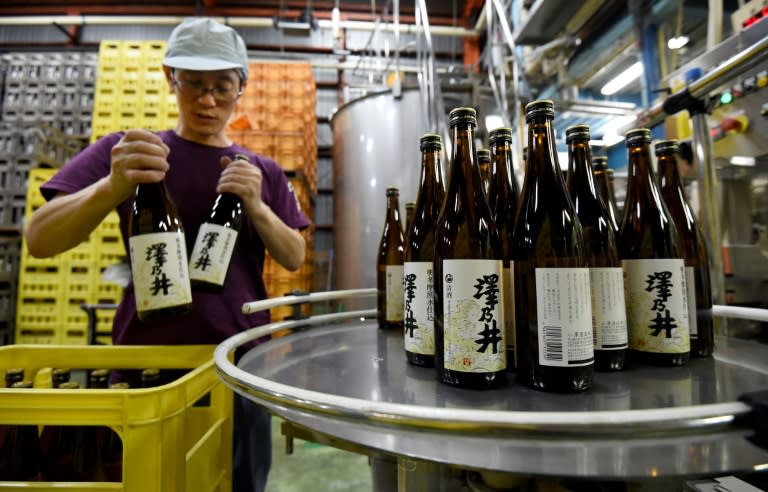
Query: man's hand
{"x": 243, "y": 179}
{"x": 139, "y": 157}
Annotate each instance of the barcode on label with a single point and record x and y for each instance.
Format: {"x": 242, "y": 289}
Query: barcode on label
{"x": 553, "y": 343}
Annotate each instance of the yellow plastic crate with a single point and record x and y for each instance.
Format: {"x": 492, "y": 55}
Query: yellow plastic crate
{"x": 169, "y": 442}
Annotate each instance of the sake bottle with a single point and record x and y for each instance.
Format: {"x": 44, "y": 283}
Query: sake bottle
{"x": 469, "y": 316}
{"x": 19, "y": 445}
{"x": 605, "y": 189}
{"x": 418, "y": 288}
{"x": 158, "y": 254}
{"x": 484, "y": 160}
{"x": 215, "y": 242}
{"x": 552, "y": 295}
{"x": 654, "y": 270}
{"x": 389, "y": 266}
{"x": 606, "y": 279}
{"x": 695, "y": 255}
{"x": 503, "y": 195}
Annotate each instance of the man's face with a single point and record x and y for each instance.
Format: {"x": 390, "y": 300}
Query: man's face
{"x": 206, "y": 99}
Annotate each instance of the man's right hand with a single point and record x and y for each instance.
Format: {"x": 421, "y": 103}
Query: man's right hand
{"x": 139, "y": 157}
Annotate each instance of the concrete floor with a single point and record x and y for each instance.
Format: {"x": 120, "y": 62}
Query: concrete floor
{"x": 315, "y": 467}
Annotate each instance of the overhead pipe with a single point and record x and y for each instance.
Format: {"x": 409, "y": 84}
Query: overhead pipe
{"x": 260, "y": 22}
{"x": 583, "y": 62}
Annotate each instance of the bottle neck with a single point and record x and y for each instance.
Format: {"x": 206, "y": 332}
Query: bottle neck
{"x": 465, "y": 172}
{"x": 542, "y": 156}
{"x": 393, "y": 208}
{"x": 580, "y": 166}
{"x": 669, "y": 175}
{"x": 639, "y": 170}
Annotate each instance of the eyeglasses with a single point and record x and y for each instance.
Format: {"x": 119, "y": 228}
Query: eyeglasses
{"x": 197, "y": 89}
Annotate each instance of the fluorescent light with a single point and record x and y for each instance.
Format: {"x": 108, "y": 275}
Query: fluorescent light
{"x": 740, "y": 160}
{"x": 336, "y": 22}
{"x": 597, "y": 143}
{"x": 678, "y": 42}
{"x": 611, "y": 139}
{"x": 623, "y": 79}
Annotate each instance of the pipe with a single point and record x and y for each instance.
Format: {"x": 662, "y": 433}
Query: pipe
{"x": 730, "y": 69}
{"x": 753, "y": 314}
{"x": 170, "y": 20}
{"x": 583, "y": 63}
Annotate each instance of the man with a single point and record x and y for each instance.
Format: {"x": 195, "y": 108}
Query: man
{"x": 206, "y": 66}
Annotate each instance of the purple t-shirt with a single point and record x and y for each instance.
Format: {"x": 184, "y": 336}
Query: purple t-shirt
{"x": 194, "y": 173}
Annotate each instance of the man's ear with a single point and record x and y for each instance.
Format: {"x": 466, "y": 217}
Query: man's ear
{"x": 169, "y": 77}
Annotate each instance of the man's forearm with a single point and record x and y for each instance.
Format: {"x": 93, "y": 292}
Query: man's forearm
{"x": 285, "y": 244}
{"x": 67, "y": 220}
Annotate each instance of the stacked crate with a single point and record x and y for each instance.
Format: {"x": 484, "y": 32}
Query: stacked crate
{"x": 52, "y": 290}
{"x": 46, "y": 115}
{"x": 276, "y": 118}
{"x": 131, "y": 90}
{"x": 53, "y": 89}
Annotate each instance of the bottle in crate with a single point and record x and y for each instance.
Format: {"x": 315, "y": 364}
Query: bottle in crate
{"x": 68, "y": 453}
{"x": 19, "y": 448}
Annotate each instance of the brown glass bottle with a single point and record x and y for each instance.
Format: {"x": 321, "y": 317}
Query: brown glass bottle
{"x": 13, "y": 375}
{"x": 484, "y": 164}
{"x": 68, "y": 452}
{"x": 150, "y": 378}
{"x": 98, "y": 379}
{"x": 694, "y": 250}
{"x": 158, "y": 254}
{"x": 552, "y": 304}
{"x": 19, "y": 447}
{"x": 606, "y": 279}
{"x": 503, "y": 197}
{"x": 469, "y": 350}
{"x": 605, "y": 189}
{"x": 389, "y": 266}
{"x": 418, "y": 288}
{"x": 60, "y": 376}
{"x": 410, "y": 208}
{"x": 654, "y": 271}
{"x": 110, "y": 449}
{"x": 215, "y": 241}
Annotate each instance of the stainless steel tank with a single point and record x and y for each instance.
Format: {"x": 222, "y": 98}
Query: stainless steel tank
{"x": 375, "y": 146}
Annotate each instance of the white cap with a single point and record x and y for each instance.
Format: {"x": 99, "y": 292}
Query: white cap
{"x": 203, "y": 44}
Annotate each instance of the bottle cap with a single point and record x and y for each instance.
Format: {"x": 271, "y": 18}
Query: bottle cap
{"x": 430, "y": 141}
{"x": 22, "y": 384}
{"x": 638, "y": 136}
{"x": 484, "y": 155}
{"x": 393, "y": 191}
{"x": 543, "y": 108}
{"x": 664, "y": 146}
{"x": 500, "y": 134}
{"x": 14, "y": 371}
{"x": 576, "y": 132}
{"x": 459, "y": 116}
{"x": 600, "y": 162}
{"x": 119, "y": 386}
{"x": 610, "y": 173}
{"x": 100, "y": 373}
{"x": 69, "y": 385}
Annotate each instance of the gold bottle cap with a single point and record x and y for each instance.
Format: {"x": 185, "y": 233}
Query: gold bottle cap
{"x": 600, "y": 162}
{"x": 484, "y": 155}
{"x": 430, "y": 141}
{"x": 69, "y": 385}
{"x": 500, "y": 134}
{"x": 664, "y": 146}
{"x": 119, "y": 386}
{"x": 463, "y": 115}
{"x": 577, "y": 132}
{"x": 22, "y": 384}
{"x": 393, "y": 191}
{"x": 638, "y": 136}
{"x": 542, "y": 108}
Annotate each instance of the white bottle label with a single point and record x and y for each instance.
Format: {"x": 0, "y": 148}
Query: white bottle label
{"x": 509, "y": 308}
{"x": 394, "y": 294}
{"x": 473, "y": 316}
{"x": 419, "y": 315}
{"x": 657, "y": 309}
{"x": 211, "y": 253}
{"x": 609, "y": 313}
{"x": 159, "y": 267}
{"x": 564, "y": 312}
{"x": 690, "y": 289}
